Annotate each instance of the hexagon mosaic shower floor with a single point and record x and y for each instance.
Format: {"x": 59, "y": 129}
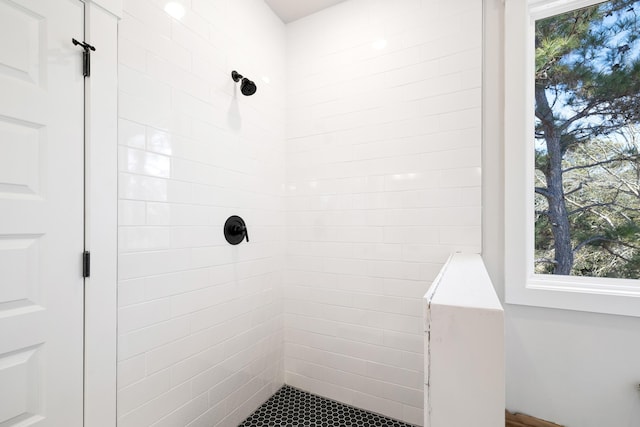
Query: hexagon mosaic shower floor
{"x": 291, "y": 407}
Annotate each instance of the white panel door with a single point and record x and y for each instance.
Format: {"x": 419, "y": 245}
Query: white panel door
{"x": 41, "y": 213}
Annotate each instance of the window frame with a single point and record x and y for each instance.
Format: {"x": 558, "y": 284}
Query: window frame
{"x": 522, "y": 285}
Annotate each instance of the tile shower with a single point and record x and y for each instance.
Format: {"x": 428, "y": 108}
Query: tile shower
{"x": 356, "y": 166}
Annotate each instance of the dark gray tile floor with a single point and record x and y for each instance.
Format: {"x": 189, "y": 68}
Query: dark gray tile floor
{"x": 291, "y": 407}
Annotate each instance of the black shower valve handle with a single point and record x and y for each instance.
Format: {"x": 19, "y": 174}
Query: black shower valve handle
{"x": 241, "y": 230}
{"x": 235, "y": 230}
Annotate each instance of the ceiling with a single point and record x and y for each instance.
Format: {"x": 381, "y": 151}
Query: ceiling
{"x": 290, "y": 10}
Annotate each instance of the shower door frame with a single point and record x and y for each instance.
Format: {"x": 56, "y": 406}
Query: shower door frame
{"x": 101, "y": 213}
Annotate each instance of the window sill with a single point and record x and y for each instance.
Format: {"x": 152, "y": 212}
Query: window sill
{"x": 592, "y": 294}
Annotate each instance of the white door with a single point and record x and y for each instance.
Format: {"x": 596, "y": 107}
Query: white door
{"x": 41, "y": 213}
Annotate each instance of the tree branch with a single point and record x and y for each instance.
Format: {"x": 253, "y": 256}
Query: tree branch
{"x": 590, "y": 240}
{"x": 545, "y": 260}
{"x": 589, "y": 207}
{"x": 543, "y": 192}
{"x": 586, "y": 111}
{"x": 620, "y": 179}
{"x": 578, "y": 188}
{"x": 617, "y": 255}
{"x": 605, "y": 239}
{"x": 603, "y": 162}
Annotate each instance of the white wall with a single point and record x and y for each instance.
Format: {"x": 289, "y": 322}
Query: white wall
{"x": 383, "y": 183}
{"x": 577, "y": 369}
{"x": 200, "y": 321}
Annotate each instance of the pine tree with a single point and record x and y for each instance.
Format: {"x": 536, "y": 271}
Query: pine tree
{"x": 587, "y": 104}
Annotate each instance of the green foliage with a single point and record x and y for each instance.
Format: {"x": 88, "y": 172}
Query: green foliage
{"x": 589, "y": 56}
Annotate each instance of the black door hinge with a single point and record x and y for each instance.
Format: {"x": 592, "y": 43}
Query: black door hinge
{"x": 86, "y": 264}
{"x": 86, "y": 56}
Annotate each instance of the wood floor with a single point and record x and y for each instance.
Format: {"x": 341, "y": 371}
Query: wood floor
{"x": 521, "y": 420}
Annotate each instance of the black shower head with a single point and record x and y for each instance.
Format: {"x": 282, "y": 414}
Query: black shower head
{"x": 247, "y": 87}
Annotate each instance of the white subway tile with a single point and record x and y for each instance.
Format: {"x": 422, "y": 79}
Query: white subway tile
{"x": 412, "y": 306}
{"x": 134, "y": 395}
{"x": 158, "y": 214}
{"x": 395, "y": 375}
{"x": 377, "y": 404}
{"x": 404, "y": 341}
{"x": 458, "y": 177}
{"x": 383, "y": 303}
{"x": 179, "y": 192}
{"x": 133, "y": 55}
{"x": 139, "y": 109}
{"x": 132, "y": 239}
{"x": 142, "y": 340}
{"x": 131, "y": 212}
{"x": 150, "y": 16}
{"x": 395, "y": 322}
{"x": 415, "y": 234}
{"x": 186, "y": 413}
{"x": 155, "y": 409}
{"x": 157, "y": 43}
{"x": 211, "y": 417}
{"x": 142, "y": 315}
{"x": 140, "y": 85}
{"x": 169, "y": 284}
{"x": 393, "y": 392}
{"x": 140, "y": 264}
{"x": 158, "y": 141}
{"x": 138, "y": 187}
{"x": 131, "y": 370}
{"x": 131, "y": 134}
{"x": 405, "y": 288}
{"x": 131, "y": 292}
{"x": 178, "y": 350}
{"x": 195, "y": 365}
{"x": 412, "y": 414}
{"x": 463, "y": 119}
{"x": 413, "y": 361}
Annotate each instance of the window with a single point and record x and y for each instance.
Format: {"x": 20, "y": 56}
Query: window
{"x": 572, "y": 165}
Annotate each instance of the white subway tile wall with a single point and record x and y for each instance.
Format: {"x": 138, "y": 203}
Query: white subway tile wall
{"x": 383, "y": 183}
{"x": 374, "y": 168}
{"x": 200, "y": 322}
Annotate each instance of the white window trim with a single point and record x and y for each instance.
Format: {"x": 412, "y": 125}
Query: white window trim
{"x": 523, "y": 286}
